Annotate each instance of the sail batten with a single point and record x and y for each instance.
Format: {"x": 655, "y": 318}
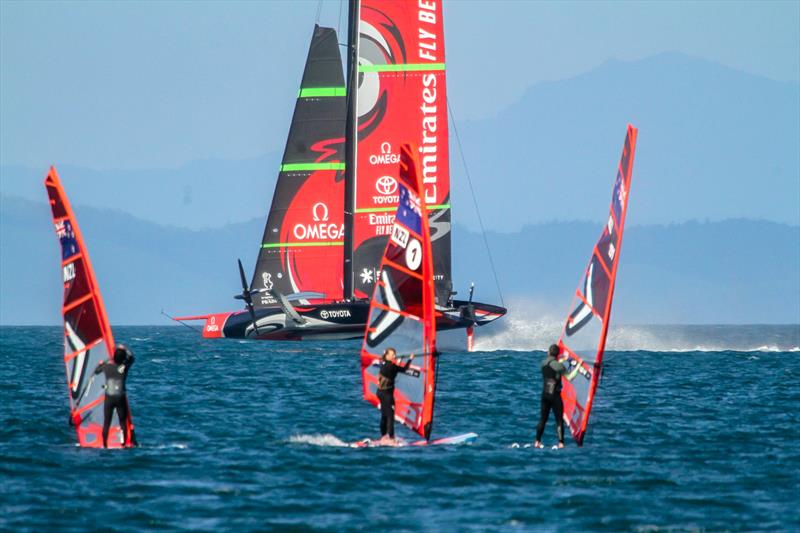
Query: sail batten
{"x": 402, "y": 310}
{"x": 583, "y": 338}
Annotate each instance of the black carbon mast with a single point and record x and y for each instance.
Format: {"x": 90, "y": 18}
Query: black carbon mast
{"x": 351, "y": 145}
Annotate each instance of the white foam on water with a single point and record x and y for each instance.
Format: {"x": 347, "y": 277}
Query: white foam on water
{"x": 527, "y": 326}
{"x": 530, "y": 326}
{"x": 173, "y": 446}
{"x": 319, "y": 440}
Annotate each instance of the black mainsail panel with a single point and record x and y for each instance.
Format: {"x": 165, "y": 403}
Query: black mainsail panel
{"x": 303, "y": 242}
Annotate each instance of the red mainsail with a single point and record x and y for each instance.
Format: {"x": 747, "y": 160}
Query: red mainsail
{"x": 402, "y": 98}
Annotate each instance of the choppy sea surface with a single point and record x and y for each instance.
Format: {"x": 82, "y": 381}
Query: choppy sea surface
{"x": 693, "y": 428}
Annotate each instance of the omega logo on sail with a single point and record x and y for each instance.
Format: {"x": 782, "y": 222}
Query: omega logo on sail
{"x": 322, "y": 230}
{"x": 386, "y": 156}
{"x": 319, "y": 207}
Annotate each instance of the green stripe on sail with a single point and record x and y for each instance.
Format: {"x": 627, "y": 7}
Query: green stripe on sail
{"x": 314, "y": 92}
{"x": 387, "y": 209}
{"x": 295, "y": 167}
{"x": 296, "y": 244}
{"x": 408, "y": 67}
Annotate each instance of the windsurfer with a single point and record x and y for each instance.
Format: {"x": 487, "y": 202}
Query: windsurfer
{"x": 390, "y": 367}
{"x": 552, "y": 370}
{"x": 116, "y": 397}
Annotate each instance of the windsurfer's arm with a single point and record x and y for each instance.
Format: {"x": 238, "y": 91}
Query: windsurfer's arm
{"x": 569, "y": 376}
{"x": 99, "y": 367}
{"x": 559, "y": 367}
{"x": 129, "y": 360}
{"x": 408, "y": 363}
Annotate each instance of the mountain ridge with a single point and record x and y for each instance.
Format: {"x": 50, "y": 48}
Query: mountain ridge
{"x": 736, "y": 271}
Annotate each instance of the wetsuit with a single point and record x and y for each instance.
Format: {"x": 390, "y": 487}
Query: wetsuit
{"x": 386, "y": 376}
{"x": 552, "y": 370}
{"x": 116, "y": 395}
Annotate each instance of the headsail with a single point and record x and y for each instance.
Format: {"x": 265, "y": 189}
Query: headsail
{"x": 402, "y": 313}
{"x": 302, "y": 246}
{"x": 401, "y": 97}
{"x": 584, "y": 336}
{"x": 88, "y": 339}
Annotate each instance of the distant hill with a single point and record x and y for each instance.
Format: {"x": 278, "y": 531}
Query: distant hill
{"x": 714, "y": 143}
{"x": 202, "y": 194}
{"x": 734, "y": 271}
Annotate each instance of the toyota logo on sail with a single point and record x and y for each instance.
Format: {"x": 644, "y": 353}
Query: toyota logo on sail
{"x": 386, "y": 185}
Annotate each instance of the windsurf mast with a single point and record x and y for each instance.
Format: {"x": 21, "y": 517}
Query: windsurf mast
{"x": 351, "y": 144}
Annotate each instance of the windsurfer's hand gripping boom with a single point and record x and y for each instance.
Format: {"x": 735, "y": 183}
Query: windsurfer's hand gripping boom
{"x": 569, "y": 376}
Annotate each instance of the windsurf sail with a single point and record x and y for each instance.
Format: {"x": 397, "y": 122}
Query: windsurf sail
{"x": 402, "y": 313}
{"x": 583, "y": 338}
{"x": 401, "y": 98}
{"x": 302, "y": 246}
{"x": 88, "y": 339}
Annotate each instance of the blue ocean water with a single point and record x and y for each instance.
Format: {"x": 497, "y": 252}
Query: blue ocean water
{"x": 248, "y": 436}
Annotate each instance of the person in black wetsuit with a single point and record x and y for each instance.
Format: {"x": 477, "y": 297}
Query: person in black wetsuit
{"x": 116, "y": 373}
{"x": 552, "y": 371}
{"x": 386, "y": 376}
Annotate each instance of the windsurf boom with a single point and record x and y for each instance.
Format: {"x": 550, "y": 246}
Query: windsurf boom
{"x": 88, "y": 339}
{"x": 583, "y": 338}
{"x": 402, "y": 313}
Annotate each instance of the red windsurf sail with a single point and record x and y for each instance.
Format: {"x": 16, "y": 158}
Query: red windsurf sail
{"x": 88, "y": 339}
{"x": 402, "y": 313}
{"x": 402, "y": 98}
{"x": 583, "y": 339}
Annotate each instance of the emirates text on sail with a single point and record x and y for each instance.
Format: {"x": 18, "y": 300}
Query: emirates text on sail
{"x": 428, "y": 52}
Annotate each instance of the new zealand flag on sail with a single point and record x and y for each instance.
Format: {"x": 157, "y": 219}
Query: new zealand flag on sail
{"x": 66, "y": 235}
{"x": 409, "y": 212}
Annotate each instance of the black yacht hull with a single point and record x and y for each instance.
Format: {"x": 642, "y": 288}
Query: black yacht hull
{"x": 330, "y": 321}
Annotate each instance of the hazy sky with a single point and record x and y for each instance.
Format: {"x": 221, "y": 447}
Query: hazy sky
{"x": 159, "y": 84}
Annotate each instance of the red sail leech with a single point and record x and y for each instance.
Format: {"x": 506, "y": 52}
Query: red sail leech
{"x": 583, "y": 338}
{"x": 402, "y": 309}
{"x": 88, "y": 339}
